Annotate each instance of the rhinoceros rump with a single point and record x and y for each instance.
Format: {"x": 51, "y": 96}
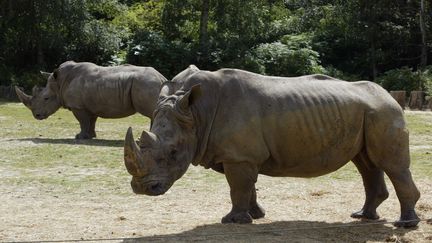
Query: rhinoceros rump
{"x": 244, "y": 124}
{"x": 92, "y": 91}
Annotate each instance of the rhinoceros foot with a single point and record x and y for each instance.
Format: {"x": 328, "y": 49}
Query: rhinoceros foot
{"x": 238, "y": 218}
{"x": 82, "y": 135}
{"x": 257, "y": 212}
{"x": 407, "y": 220}
{"x": 364, "y": 214}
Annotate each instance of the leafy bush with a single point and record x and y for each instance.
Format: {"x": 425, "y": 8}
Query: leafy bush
{"x": 99, "y": 42}
{"x": 336, "y": 73}
{"x": 406, "y": 79}
{"x": 427, "y": 80}
{"x": 152, "y": 49}
{"x": 291, "y": 56}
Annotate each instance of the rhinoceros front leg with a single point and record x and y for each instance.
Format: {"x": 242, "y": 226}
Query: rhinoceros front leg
{"x": 87, "y": 123}
{"x": 241, "y": 178}
{"x": 255, "y": 210}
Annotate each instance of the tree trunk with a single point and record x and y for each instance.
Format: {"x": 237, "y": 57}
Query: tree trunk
{"x": 40, "y": 61}
{"x": 423, "y": 60}
{"x": 203, "y": 35}
{"x": 400, "y": 97}
{"x": 368, "y": 15}
{"x": 416, "y": 100}
{"x": 373, "y": 58}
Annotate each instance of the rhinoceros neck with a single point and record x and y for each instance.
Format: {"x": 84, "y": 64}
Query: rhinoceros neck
{"x": 204, "y": 114}
{"x": 60, "y": 92}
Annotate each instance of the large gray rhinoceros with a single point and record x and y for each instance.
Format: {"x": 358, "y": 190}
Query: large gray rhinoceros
{"x": 244, "y": 124}
{"x": 91, "y": 91}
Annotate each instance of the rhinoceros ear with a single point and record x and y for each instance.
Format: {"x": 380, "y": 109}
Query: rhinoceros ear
{"x": 193, "y": 68}
{"x": 55, "y": 73}
{"x": 168, "y": 88}
{"x": 23, "y": 97}
{"x": 45, "y": 74}
{"x": 190, "y": 97}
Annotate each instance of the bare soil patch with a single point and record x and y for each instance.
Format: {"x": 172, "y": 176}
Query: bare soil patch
{"x": 53, "y": 188}
{"x": 298, "y": 210}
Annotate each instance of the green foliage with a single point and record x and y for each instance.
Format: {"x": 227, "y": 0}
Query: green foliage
{"x": 98, "y": 42}
{"x": 400, "y": 79}
{"x": 426, "y": 79}
{"x": 105, "y": 9}
{"x": 351, "y": 40}
{"x": 293, "y": 56}
{"x": 152, "y": 49}
{"x": 406, "y": 78}
{"x": 40, "y": 35}
{"x": 336, "y": 73}
{"x": 141, "y": 15}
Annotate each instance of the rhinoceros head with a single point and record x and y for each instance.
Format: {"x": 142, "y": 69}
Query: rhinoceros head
{"x": 162, "y": 156}
{"x": 44, "y": 101}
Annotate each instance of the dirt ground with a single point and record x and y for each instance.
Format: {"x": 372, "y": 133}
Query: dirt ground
{"x": 59, "y": 203}
{"x": 298, "y": 210}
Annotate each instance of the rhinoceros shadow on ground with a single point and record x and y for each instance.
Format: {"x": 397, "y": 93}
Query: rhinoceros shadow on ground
{"x": 71, "y": 141}
{"x": 285, "y": 231}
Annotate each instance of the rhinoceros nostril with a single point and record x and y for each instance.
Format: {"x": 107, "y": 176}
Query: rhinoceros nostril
{"x": 156, "y": 188}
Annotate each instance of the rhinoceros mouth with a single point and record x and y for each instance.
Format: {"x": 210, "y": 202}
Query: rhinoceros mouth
{"x": 40, "y": 116}
{"x": 149, "y": 188}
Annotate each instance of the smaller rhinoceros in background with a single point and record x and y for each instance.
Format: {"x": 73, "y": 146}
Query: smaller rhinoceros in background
{"x": 91, "y": 91}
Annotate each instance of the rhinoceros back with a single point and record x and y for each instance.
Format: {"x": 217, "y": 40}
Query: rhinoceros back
{"x": 112, "y": 92}
{"x": 304, "y": 126}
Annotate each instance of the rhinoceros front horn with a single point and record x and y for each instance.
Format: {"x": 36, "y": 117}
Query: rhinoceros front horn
{"x": 25, "y": 99}
{"x": 132, "y": 155}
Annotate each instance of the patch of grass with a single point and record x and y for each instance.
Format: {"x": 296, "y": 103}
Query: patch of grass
{"x": 45, "y": 152}
{"x": 419, "y": 123}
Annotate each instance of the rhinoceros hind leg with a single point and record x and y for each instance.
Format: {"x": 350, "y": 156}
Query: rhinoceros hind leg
{"x": 87, "y": 123}
{"x": 239, "y": 218}
{"x": 374, "y": 184}
{"x": 387, "y": 145}
{"x": 408, "y": 196}
{"x": 241, "y": 178}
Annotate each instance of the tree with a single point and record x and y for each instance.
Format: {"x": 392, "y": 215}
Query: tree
{"x": 203, "y": 34}
{"x": 41, "y": 34}
{"x": 422, "y": 24}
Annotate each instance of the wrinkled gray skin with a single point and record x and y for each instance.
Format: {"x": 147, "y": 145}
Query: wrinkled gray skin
{"x": 243, "y": 124}
{"x": 92, "y": 91}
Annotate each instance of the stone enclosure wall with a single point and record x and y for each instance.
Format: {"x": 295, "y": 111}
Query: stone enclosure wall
{"x": 417, "y": 100}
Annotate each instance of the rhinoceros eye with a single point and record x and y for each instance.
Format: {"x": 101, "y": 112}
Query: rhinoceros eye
{"x": 173, "y": 154}
{"x": 46, "y": 98}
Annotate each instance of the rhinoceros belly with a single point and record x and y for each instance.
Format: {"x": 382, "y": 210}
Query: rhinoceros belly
{"x": 296, "y": 134}
{"x": 313, "y": 141}
{"x": 106, "y": 97}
